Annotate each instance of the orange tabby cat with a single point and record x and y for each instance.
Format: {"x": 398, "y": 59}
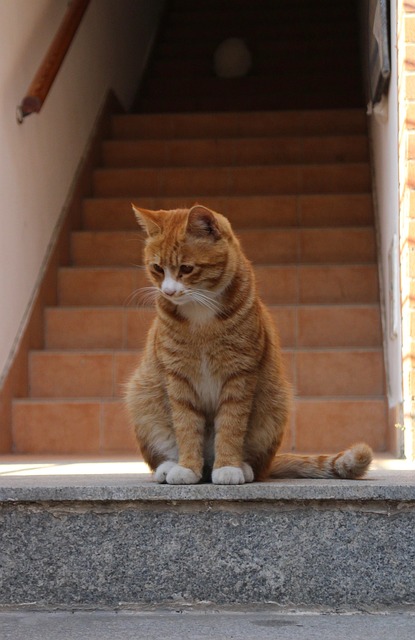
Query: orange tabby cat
{"x": 209, "y": 399}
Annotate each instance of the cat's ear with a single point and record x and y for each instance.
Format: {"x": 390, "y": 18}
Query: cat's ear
{"x": 202, "y": 222}
{"x": 148, "y": 220}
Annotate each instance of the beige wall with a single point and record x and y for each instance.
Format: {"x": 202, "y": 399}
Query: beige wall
{"x": 38, "y": 159}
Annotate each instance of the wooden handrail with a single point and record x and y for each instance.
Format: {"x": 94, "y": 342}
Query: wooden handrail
{"x": 48, "y": 70}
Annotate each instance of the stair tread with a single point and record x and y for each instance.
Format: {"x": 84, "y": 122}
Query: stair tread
{"x": 313, "y": 372}
{"x": 173, "y": 125}
{"x": 330, "y": 283}
{"x": 234, "y": 151}
{"x": 88, "y": 426}
{"x": 248, "y": 211}
{"x": 306, "y": 325}
{"x": 353, "y": 177}
{"x": 266, "y": 246}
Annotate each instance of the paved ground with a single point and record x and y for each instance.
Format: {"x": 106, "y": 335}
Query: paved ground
{"x": 260, "y": 624}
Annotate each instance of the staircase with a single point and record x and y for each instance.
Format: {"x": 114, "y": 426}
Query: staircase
{"x": 296, "y": 186}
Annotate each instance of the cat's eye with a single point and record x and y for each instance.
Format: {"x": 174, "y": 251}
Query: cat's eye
{"x": 186, "y": 268}
{"x": 158, "y": 269}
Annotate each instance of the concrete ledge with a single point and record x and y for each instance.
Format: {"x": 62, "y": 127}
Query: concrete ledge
{"x": 125, "y": 481}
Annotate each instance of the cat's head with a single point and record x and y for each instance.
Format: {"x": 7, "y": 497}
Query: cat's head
{"x": 190, "y": 254}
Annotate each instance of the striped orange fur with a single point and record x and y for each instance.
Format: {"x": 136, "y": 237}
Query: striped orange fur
{"x": 210, "y": 399}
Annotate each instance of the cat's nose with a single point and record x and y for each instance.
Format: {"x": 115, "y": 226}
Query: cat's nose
{"x": 168, "y": 291}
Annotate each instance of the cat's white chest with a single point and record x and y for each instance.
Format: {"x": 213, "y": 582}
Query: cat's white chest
{"x": 208, "y": 386}
{"x": 197, "y": 313}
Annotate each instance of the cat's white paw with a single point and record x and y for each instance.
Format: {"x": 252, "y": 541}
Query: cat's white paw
{"x": 162, "y": 470}
{"x": 228, "y": 475}
{"x": 181, "y": 475}
{"x": 248, "y": 472}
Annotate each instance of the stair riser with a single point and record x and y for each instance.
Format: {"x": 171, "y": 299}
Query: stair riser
{"x": 68, "y": 427}
{"x": 118, "y": 553}
{"x": 103, "y": 287}
{"x": 158, "y": 153}
{"x": 243, "y": 212}
{"x": 299, "y": 327}
{"x": 263, "y": 246}
{"x": 277, "y": 285}
{"x": 346, "y": 178}
{"x": 80, "y": 374}
{"x": 314, "y": 373}
{"x": 208, "y": 125}
{"x": 101, "y": 426}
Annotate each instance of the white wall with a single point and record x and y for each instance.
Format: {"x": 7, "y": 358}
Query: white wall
{"x": 384, "y": 137}
{"x": 38, "y": 159}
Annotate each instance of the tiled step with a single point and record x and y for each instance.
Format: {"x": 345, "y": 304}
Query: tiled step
{"x": 332, "y": 424}
{"x": 84, "y": 374}
{"x": 264, "y": 123}
{"x": 235, "y": 151}
{"x": 80, "y": 374}
{"x": 305, "y": 326}
{"x": 339, "y": 373}
{"x": 247, "y": 180}
{"x": 96, "y": 327}
{"x": 82, "y": 427}
{"x": 304, "y": 284}
{"x": 100, "y": 425}
{"x": 101, "y": 214}
{"x": 263, "y": 246}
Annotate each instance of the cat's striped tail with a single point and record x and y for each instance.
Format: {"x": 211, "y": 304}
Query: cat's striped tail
{"x": 350, "y": 464}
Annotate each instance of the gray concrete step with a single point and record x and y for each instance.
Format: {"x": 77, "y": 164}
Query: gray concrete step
{"x": 261, "y": 623}
{"x": 73, "y": 537}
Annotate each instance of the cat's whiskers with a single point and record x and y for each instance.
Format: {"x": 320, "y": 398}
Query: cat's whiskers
{"x": 144, "y": 296}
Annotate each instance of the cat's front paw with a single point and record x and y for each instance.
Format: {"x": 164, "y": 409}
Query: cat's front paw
{"x": 162, "y": 470}
{"x": 182, "y": 475}
{"x": 228, "y": 475}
